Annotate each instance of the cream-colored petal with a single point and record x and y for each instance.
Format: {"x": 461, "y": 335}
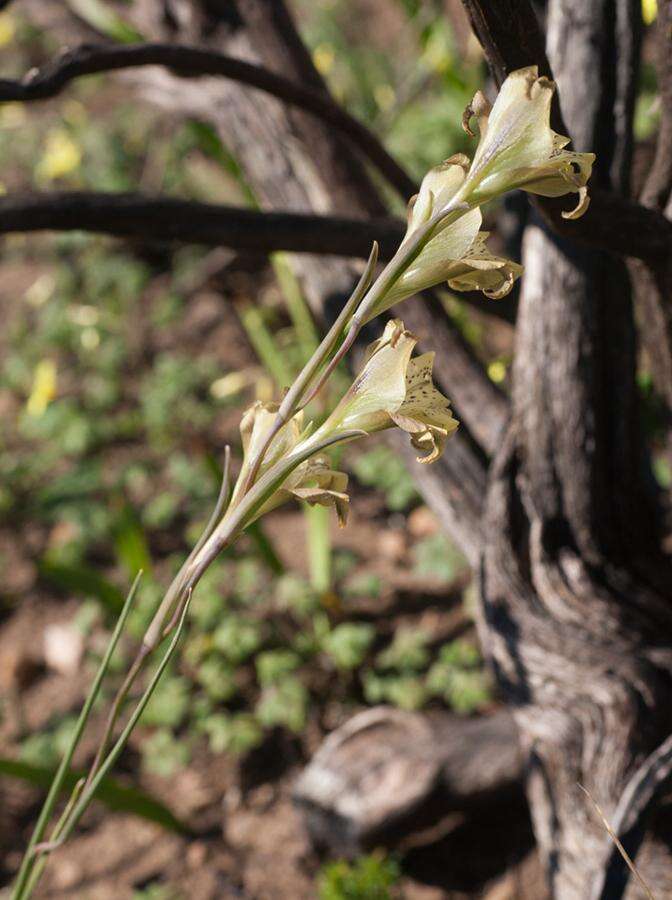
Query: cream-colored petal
{"x": 325, "y": 497}
{"x": 564, "y": 172}
{"x": 433, "y": 264}
{"x": 318, "y": 483}
{"x": 255, "y": 426}
{"x": 438, "y": 187}
{"x": 518, "y": 132}
{"x": 581, "y": 206}
{"x": 480, "y": 270}
{"x": 429, "y": 439}
{"x": 425, "y": 413}
{"x": 477, "y": 270}
{"x": 380, "y": 387}
{"x": 518, "y": 148}
{"x": 423, "y": 401}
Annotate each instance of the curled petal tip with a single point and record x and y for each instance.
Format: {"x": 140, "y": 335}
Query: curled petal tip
{"x": 581, "y": 206}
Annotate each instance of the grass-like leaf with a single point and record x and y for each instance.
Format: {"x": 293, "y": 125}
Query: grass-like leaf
{"x": 115, "y": 796}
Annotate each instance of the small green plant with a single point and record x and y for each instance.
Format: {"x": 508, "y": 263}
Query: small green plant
{"x": 458, "y": 677}
{"x": 436, "y": 557}
{"x": 370, "y": 877}
{"x": 382, "y": 469}
{"x": 347, "y": 644}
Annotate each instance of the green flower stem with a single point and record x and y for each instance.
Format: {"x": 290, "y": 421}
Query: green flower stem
{"x": 293, "y": 399}
{"x": 405, "y": 255}
{"x": 156, "y": 631}
{"x": 56, "y": 785}
{"x": 238, "y": 517}
{"x": 401, "y": 260}
{"x": 41, "y": 861}
{"x": 89, "y": 791}
{"x": 157, "y": 628}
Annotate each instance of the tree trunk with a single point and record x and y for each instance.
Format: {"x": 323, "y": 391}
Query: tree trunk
{"x": 575, "y": 608}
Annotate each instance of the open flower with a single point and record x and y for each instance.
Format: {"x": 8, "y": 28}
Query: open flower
{"x": 393, "y": 389}
{"x": 445, "y": 258}
{"x": 456, "y": 252}
{"x": 312, "y": 481}
{"x": 518, "y": 148}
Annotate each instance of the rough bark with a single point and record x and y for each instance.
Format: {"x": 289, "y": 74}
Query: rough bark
{"x": 575, "y": 612}
{"x": 654, "y": 282}
{"x": 385, "y": 772}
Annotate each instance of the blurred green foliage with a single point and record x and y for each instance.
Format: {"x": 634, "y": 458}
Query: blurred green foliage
{"x": 381, "y": 468}
{"x": 370, "y": 877}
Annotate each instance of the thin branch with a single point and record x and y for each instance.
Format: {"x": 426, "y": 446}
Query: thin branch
{"x": 511, "y": 38}
{"x": 188, "y": 221}
{"x": 88, "y": 59}
{"x": 618, "y": 848}
{"x": 641, "y": 793}
{"x": 173, "y": 219}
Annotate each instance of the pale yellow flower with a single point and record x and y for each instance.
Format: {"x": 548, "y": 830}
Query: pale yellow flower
{"x": 518, "y": 148}
{"x": 456, "y": 251}
{"x": 446, "y": 259}
{"x": 394, "y": 389}
{"x": 44, "y": 387}
{"x": 312, "y": 481}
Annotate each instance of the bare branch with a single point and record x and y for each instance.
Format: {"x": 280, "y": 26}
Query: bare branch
{"x": 643, "y": 233}
{"x": 40, "y": 84}
{"x": 133, "y": 215}
{"x": 629, "y": 822}
{"x": 173, "y": 219}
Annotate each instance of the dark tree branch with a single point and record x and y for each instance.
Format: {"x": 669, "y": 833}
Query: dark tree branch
{"x": 214, "y": 225}
{"x": 173, "y": 219}
{"x": 49, "y": 81}
{"x": 642, "y": 233}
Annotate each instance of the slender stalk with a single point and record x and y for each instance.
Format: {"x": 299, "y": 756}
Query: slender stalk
{"x": 41, "y": 861}
{"x": 156, "y": 630}
{"x": 407, "y": 252}
{"x": 238, "y": 517}
{"x": 89, "y": 791}
{"x": 293, "y": 397}
{"x": 56, "y": 785}
{"x": 118, "y": 702}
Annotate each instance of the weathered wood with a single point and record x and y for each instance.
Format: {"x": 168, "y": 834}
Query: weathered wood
{"x": 575, "y": 615}
{"x": 386, "y": 772}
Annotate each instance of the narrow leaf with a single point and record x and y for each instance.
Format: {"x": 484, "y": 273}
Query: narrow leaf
{"x": 115, "y": 796}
